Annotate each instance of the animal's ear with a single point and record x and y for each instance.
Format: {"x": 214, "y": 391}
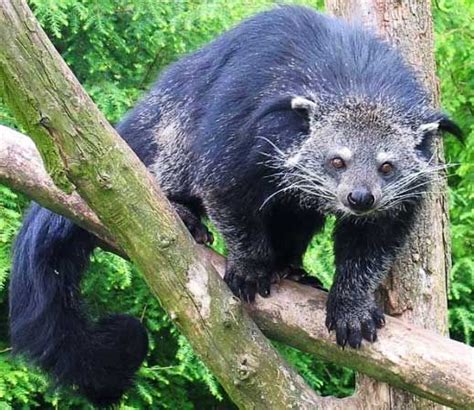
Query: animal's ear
{"x": 303, "y": 106}
{"x": 448, "y": 125}
{"x": 427, "y": 131}
{"x": 442, "y": 123}
{"x": 300, "y": 105}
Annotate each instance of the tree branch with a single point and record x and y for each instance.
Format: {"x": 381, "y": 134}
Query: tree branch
{"x": 417, "y": 360}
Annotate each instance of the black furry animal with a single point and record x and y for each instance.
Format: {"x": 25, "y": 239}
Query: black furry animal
{"x": 287, "y": 118}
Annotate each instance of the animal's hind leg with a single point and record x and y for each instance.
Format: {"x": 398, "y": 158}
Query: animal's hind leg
{"x": 298, "y": 274}
{"x": 193, "y": 222}
{"x": 291, "y": 233}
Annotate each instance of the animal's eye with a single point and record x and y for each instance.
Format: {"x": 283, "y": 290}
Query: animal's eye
{"x": 338, "y": 163}
{"x": 386, "y": 168}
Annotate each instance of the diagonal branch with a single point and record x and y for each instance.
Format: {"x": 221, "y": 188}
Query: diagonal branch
{"x": 417, "y": 360}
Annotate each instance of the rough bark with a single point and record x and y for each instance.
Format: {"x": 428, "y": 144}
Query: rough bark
{"x": 416, "y": 289}
{"x": 80, "y": 146}
{"x": 442, "y": 373}
{"x": 22, "y": 168}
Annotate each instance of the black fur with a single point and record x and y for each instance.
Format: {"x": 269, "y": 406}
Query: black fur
{"x": 48, "y": 323}
{"x": 207, "y": 130}
{"x": 362, "y": 252}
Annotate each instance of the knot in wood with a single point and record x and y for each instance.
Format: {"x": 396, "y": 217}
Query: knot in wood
{"x": 165, "y": 241}
{"x": 44, "y": 121}
{"x": 104, "y": 180}
{"x": 231, "y": 311}
{"x": 247, "y": 367}
{"x": 173, "y": 316}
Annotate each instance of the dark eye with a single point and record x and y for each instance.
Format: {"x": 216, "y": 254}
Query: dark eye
{"x": 338, "y": 163}
{"x": 386, "y": 168}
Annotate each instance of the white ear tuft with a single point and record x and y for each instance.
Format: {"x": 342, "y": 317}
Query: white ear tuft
{"x": 429, "y": 127}
{"x": 301, "y": 103}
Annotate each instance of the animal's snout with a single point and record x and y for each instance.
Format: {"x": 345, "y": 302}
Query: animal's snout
{"x": 360, "y": 199}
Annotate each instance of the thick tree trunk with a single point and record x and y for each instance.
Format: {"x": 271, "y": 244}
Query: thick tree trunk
{"x": 416, "y": 288}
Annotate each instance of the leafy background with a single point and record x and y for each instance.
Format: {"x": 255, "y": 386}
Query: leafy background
{"x": 116, "y": 48}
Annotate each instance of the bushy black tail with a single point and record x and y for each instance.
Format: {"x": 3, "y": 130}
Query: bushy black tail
{"x": 48, "y": 322}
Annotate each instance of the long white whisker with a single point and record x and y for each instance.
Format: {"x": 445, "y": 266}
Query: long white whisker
{"x": 273, "y": 195}
{"x": 399, "y": 185}
{"x": 295, "y": 186}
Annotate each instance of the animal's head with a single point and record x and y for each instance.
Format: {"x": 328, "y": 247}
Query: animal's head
{"x": 358, "y": 158}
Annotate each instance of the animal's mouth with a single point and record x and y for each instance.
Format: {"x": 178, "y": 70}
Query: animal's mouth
{"x": 360, "y": 213}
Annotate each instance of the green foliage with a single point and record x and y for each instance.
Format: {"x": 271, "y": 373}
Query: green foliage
{"x": 19, "y": 386}
{"x": 455, "y": 57}
{"x": 325, "y": 378}
{"x": 10, "y": 214}
{"x": 319, "y": 258}
{"x": 116, "y": 48}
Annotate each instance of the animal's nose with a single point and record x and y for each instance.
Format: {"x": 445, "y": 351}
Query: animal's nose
{"x": 360, "y": 199}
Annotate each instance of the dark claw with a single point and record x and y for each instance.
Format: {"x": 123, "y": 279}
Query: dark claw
{"x": 355, "y": 336}
{"x": 378, "y": 318}
{"x": 353, "y": 321}
{"x": 330, "y": 325}
{"x": 201, "y": 234}
{"x": 264, "y": 287}
{"x": 369, "y": 331}
{"x": 246, "y": 286}
{"x": 264, "y": 293}
{"x": 193, "y": 222}
{"x": 341, "y": 334}
{"x": 248, "y": 290}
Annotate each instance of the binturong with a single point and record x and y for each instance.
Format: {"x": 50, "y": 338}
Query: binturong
{"x": 289, "y": 117}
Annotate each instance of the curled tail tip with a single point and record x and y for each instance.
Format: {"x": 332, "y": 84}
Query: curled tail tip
{"x": 120, "y": 345}
{"x": 48, "y": 323}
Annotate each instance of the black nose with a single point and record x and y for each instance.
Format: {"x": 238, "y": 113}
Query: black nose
{"x": 360, "y": 199}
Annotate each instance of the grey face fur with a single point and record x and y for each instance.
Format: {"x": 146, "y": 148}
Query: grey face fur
{"x": 357, "y": 151}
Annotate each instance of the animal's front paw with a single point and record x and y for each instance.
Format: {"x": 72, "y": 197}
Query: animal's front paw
{"x": 246, "y": 280}
{"x": 193, "y": 222}
{"x": 200, "y": 233}
{"x": 353, "y": 320}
